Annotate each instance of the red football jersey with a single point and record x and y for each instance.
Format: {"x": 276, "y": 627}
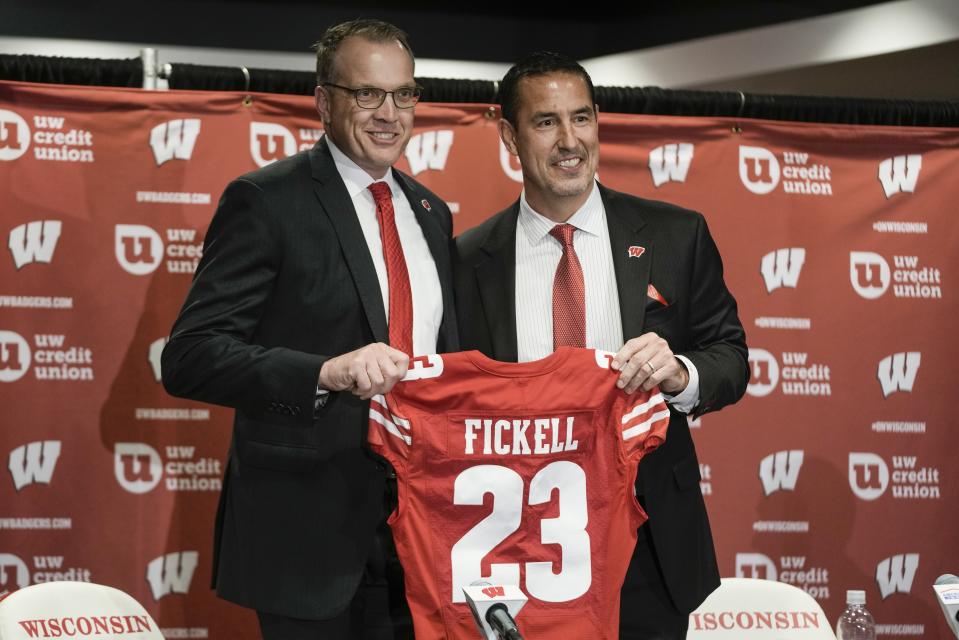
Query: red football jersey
{"x": 516, "y": 474}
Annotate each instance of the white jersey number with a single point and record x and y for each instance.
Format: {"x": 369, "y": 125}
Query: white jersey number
{"x": 567, "y": 530}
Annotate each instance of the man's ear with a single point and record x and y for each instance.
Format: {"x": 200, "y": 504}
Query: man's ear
{"x": 508, "y": 135}
{"x": 321, "y": 98}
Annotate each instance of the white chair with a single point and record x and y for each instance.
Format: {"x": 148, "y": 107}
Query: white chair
{"x": 74, "y": 610}
{"x": 750, "y": 609}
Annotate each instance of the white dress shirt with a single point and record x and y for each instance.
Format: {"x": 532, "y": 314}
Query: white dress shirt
{"x": 537, "y": 256}
{"x": 424, "y": 279}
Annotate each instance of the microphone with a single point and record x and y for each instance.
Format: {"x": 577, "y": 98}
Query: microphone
{"x": 502, "y": 622}
{"x": 947, "y": 593}
{"x": 494, "y": 609}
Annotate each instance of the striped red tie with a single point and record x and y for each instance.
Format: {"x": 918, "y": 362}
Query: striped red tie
{"x": 401, "y": 300}
{"x": 569, "y": 293}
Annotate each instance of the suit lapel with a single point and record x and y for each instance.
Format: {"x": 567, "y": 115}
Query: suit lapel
{"x": 496, "y": 280}
{"x": 632, "y": 272}
{"x": 438, "y": 244}
{"x": 337, "y": 205}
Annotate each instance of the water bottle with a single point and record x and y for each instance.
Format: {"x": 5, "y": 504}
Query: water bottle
{"x": 856, "y": 623}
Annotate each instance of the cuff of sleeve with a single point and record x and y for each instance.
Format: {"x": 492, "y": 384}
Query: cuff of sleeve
{"x": 686, "y": 400}
{"x": 321, "y": 398}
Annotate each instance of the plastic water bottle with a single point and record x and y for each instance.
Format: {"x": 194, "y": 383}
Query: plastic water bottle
{"x": 856, "y": 623}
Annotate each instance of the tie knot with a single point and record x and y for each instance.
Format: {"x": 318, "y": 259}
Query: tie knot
{"x": 381, "y": 191}
{"x": 563, "y": 233}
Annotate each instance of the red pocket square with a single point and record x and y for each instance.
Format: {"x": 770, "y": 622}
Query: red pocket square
{"x": 655, "y": 295}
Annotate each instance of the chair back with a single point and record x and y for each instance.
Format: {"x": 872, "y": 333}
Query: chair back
{"x": 74, "y": 610}
{"x": 751, "y": 609}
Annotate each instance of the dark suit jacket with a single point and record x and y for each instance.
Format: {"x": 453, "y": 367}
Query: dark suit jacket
{"x": 286, "y": 281}
{"x": 700, "y": 322}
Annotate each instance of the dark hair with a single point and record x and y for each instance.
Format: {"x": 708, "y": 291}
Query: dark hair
{"x": 369, "y": 29}
{"x": 537, "y": 64}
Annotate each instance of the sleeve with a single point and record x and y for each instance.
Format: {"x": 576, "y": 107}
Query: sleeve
{"x": 688, "y": 398}
{"x": 390, "y": 434}
{"x": 717, "y": 339}
{"x": 211, "y": 356}
{"x": 643, "y": 419}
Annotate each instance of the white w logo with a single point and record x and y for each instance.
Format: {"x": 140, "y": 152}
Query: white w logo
{"x": 780, "y": 470}
{"x": 780, "y": 268}
{"x": 898, "y": 372}
{"x": 174, "y": 139}
{"x": 900, "y": 173}
{"x": 429, "y": 150}
{"x": 171, "y": 573}
{"x": 34, "y": 242}
{"x": 670, "y": 162}
{"x": 34, "y": 462}
{"x": 895, "y": 574}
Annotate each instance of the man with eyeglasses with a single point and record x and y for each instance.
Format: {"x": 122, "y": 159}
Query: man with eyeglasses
{"x": 321, "y": 275}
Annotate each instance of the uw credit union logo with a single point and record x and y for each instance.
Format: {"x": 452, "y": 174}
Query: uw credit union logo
{"x": 14, "y": 135}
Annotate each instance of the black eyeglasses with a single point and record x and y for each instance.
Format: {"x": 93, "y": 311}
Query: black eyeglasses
{"x": 372, "y": 97}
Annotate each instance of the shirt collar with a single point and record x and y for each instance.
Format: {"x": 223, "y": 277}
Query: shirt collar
{"x": 588, "y": 218}
{"x": 356, "y": 179}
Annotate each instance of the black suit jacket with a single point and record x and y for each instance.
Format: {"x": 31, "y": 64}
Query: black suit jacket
{"x": 700, "y": 322}
{"x": 286, "y": 281}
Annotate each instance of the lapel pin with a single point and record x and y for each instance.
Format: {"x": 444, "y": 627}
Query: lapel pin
{"x": 426, "y": 204}
{"x": 635, "y": 251}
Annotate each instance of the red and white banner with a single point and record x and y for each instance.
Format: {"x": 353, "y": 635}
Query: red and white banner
{"x": 838, "y": 241}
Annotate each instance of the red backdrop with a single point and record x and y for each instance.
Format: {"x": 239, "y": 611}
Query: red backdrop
{"x": 832, "y": 473}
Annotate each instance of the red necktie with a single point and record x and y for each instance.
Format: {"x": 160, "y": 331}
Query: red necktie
{"x": 398, "y": 277}
{"x": 569, "y": 293}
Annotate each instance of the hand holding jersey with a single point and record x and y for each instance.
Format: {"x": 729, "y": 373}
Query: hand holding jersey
{"x": 648, "y": 361}
{"x": 366, "y": 372}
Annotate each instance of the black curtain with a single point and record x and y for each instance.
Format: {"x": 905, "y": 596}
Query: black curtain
{"x": 83, "y": 71}
{"x": 645, "y": 100}
{"x": 195, "y": 76}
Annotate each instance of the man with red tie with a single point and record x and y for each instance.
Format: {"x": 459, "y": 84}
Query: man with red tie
{"x": 321, "y": 275}
{"x": 574, "y": 263}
